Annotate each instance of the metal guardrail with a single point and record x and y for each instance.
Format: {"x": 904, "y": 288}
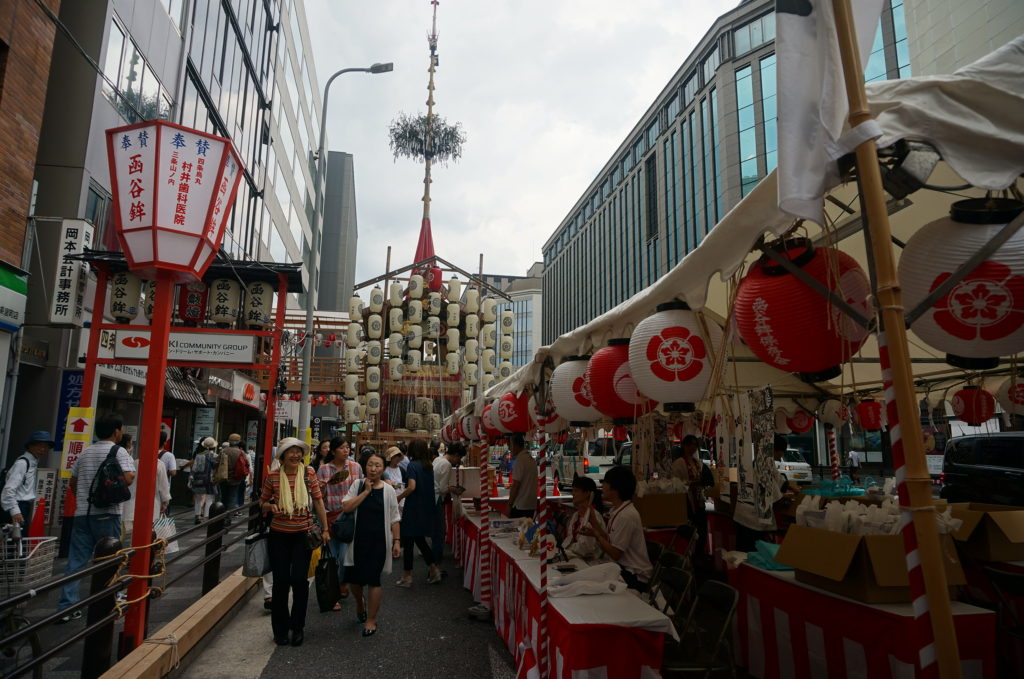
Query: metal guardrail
{"x": 106, "y": 579}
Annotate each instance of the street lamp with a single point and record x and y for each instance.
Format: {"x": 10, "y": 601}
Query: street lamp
{"x": 314, "y": 256}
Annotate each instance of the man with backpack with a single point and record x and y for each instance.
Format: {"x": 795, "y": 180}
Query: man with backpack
{"x": 233, "y": 468}
{"x": 18, "y": 497}
{"x": 100, "y": 478}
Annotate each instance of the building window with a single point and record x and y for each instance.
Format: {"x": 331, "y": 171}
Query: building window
{"x": 691, "y": 210}
{"x": 875, "y": 68}
{"x": 651, "y": 169}
{"x": 175, "y": 9}
{"x": 768, "y": 113}
{"x": 652, "y": 133}
{"x": 137, "y": 95}
{"x": 671, "y": 199}
{"x": 675, "y": 107}
{"x": 690, "y": 88}
{"x": 747, "y": 129}
{"x": 899, "y": 28}
{"x": 710, "y": 65}
{"x": 754, "y": 34}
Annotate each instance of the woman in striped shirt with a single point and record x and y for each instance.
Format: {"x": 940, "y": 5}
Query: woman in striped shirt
{"x": 291, "y": 495}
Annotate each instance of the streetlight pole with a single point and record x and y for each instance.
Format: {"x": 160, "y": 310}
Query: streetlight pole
{"x": 314, "y": 255}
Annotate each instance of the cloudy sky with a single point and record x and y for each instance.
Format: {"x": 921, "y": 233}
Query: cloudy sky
{"x": 545, "y": 90}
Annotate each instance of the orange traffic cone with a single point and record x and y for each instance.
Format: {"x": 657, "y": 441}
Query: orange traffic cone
{"x": 501, "y": 479}
{"x": 494, "y": 489}
{"x": 38, "y": 527}
{"x": 554, "y": 490}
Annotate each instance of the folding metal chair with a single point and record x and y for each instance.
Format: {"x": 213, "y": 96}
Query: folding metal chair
{"x": 704, "y": 642}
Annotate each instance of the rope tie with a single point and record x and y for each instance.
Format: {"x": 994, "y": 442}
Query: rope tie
{"x": 169, "y": 640}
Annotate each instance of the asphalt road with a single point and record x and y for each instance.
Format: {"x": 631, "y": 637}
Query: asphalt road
{"x": 424, "y": 633}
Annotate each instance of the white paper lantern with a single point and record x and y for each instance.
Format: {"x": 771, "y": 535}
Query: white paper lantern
{"x": 570, "y": 392}
{"x": 451, "y": 363}
{"x": 375, "y": 326}
{"x": 352, "y": 360}
{"x": 487, "y": 361}
{"x": 395, "y": 294}
{"x": 415, "y": 311}
{"x": 225, "y": 301}
{"x": 355, "y": 307}
{"x": 1011, "y": 395}
{"x": 505, "y": 369}
{"x": 508, "y": 322}
{"x": 433, "y": 327}
{"x": 833, "y": 412}
{"x": 472, "y": 325}
{"x": 374, "y": 352}
{"x": 982, "y": 317}
{"x": 396, "y": 369}
{"x": 373, "y": 402}
{"x": 259, "y": 303}
{"x": 452, "y": 315}
{"x": 372, "y": 378}
{"x": 351, "y": 386}
{"x": 415, "y": 337}
{"x": 351, "y": 410}
{"x": 395, "y": 344}
{"x": 395, "y": 319}
{"x": 505, "y": 347}
{"x": 415, "y": 286}
{"x": 489, "y": 309}
{"x": 413, "y": 421}
{"x": 376, "y": 300}
{"x": 452, "y": 337}
{"x": 423, "y": 405}
{"x": 434, "y": 304}
{"x": 454, "y": 289}
{"x": 470, "y": 372}
{"x": 548, "y": 421}
{"x": 413, "y": 361}
{"x": 489, "y": 336}
{"x": 472, "y": 350}
{"x": 353, "y": 335}
{"x": 125, "y": 296}
{"x": 472, "y": 300}
{"x": 671, "y": 359}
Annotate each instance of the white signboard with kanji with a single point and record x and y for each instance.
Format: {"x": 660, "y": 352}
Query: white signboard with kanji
{"x": 68, "y": 301}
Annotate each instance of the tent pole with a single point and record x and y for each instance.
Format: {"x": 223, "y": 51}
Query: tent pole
{"x": 890, "y": 302}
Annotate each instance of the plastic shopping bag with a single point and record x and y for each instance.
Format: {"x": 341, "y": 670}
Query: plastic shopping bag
{"x": 164, "y": 528}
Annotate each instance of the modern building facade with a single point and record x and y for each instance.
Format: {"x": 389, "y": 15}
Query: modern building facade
{"x": 241, "y": 69}
{"x": 705, "y": 141}
{"x": 527, "y": 305}
{"x": 340, "y": 234}
{"x": 945, "y": 35}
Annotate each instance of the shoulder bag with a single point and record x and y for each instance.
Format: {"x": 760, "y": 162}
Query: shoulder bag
{"x": 344, "y": 527}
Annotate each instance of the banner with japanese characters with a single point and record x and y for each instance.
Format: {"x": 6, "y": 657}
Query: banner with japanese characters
{"x": 68, "y": 301}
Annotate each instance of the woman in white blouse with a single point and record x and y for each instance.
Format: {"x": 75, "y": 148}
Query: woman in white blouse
{"x": 586, "y": 498}
{"x": 623, "y": 540}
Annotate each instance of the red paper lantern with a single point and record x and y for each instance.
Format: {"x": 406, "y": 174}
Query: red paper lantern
{"x": 488, "y": 424}
{"x": 793, "y": 328}
{"x": 571, "y": 393}
{"x": 192, "y": 298}
{"x": 869, "y": 415}
{"x": 611, "y": 383}
{"x": 514, "y": 412}
{"x": 433, "y": 278}
{"x": 800, "y": 422}
{"x": 974, "y": 405}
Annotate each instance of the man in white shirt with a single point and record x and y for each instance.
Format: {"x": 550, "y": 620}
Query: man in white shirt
{"x": 18, "y": 497}
{"x": 91, "y": 524}
{"x": 855, "y": 465}
{"x": 443, "y": 465}
{"x": 623, "y": 540}
{"x": 523, "y": 493}
{"x": 167, "y": 457}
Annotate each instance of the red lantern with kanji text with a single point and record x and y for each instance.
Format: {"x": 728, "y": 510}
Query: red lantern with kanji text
{"x": 611, "y": 382}
{"x": 192, "y": 298}
{"x": 514, "y": 412}
{"x": 974, "y": 405}
{"x": 869, "y": 415}
{"x": 792, "y": 327}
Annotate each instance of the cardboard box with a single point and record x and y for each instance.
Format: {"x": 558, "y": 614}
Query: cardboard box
{"x": 990, "y": 532}
{"x": 661, "y": 509}
{"x": 868, "y": 568}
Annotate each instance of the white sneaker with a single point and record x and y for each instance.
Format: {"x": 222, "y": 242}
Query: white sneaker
{"x": 406, "y": 583}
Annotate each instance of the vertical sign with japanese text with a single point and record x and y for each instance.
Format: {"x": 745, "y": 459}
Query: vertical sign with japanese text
{"x": 77, "y": 435}
{"x": 70, "y": 396}
{"x": 68, "y": 301}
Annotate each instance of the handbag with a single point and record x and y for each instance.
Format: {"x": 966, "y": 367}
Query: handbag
{"x": 328, "y": 588}
{"x": 314, "y": 539}
{"x": 164, "y": 528}
{"x": 344, "y": 527}
{"x": 256, "y": 562}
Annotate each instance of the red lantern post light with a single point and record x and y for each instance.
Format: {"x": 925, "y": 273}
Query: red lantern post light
{"x": 611, "y": 383}
{"x": 173, "y": 188}
{"x": 869, "y": 415}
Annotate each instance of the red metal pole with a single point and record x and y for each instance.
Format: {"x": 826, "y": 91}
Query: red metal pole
{"x": 149, "y": 440}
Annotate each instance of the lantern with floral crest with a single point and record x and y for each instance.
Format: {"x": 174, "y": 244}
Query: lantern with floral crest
{"x": 1011, "y": 395}
{"x": 611, "y": 382}
{"x": 973, "y": 405}
{"x": 571, "y": 393}
{"x": 514, "y": 412}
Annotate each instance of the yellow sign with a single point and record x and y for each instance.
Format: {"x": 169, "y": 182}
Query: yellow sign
{"x": 77, "y": 435}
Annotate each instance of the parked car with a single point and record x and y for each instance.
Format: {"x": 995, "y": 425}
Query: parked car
{"x": 601, "y": 457}
{"x": 984, "y": 468}
{"x": 793, "y": 467}
{"x": 568, "y": 462}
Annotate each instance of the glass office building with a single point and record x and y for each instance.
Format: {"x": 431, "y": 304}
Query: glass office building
{"x": 705, "y": 141}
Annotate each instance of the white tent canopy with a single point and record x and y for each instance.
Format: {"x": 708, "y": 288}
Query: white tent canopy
{"x": 972, "y": 117}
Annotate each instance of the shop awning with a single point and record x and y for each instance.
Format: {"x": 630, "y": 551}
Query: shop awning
{"x": 180, "y": 387}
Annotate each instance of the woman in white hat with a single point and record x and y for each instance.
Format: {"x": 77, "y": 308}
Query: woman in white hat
{"x": 292, "y": 494}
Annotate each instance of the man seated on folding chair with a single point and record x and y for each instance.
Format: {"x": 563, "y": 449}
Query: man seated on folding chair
{"x": 623, "y": 540}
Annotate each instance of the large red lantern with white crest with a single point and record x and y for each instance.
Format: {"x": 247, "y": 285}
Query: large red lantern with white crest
{"x": 982, "y": 317}
{"x": 793, "y": 328}
{"x": 800, "y": 422}
{"x": 611, "y": 382}
{"x": 869, "y": 415}
{"x": 670, "y": 357}
{"x": 514, "y": 412}
{"x": 974, "y": 405}
{"x": 571, "y": 394}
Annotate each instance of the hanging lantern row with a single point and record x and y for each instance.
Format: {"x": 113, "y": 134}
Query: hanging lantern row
{"x": 222, "y": 301}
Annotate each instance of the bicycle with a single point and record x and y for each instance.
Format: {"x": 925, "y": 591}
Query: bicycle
{"x": 24, "y": 563}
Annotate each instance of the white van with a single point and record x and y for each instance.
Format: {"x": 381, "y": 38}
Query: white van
{"x": 793, "y": 467}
